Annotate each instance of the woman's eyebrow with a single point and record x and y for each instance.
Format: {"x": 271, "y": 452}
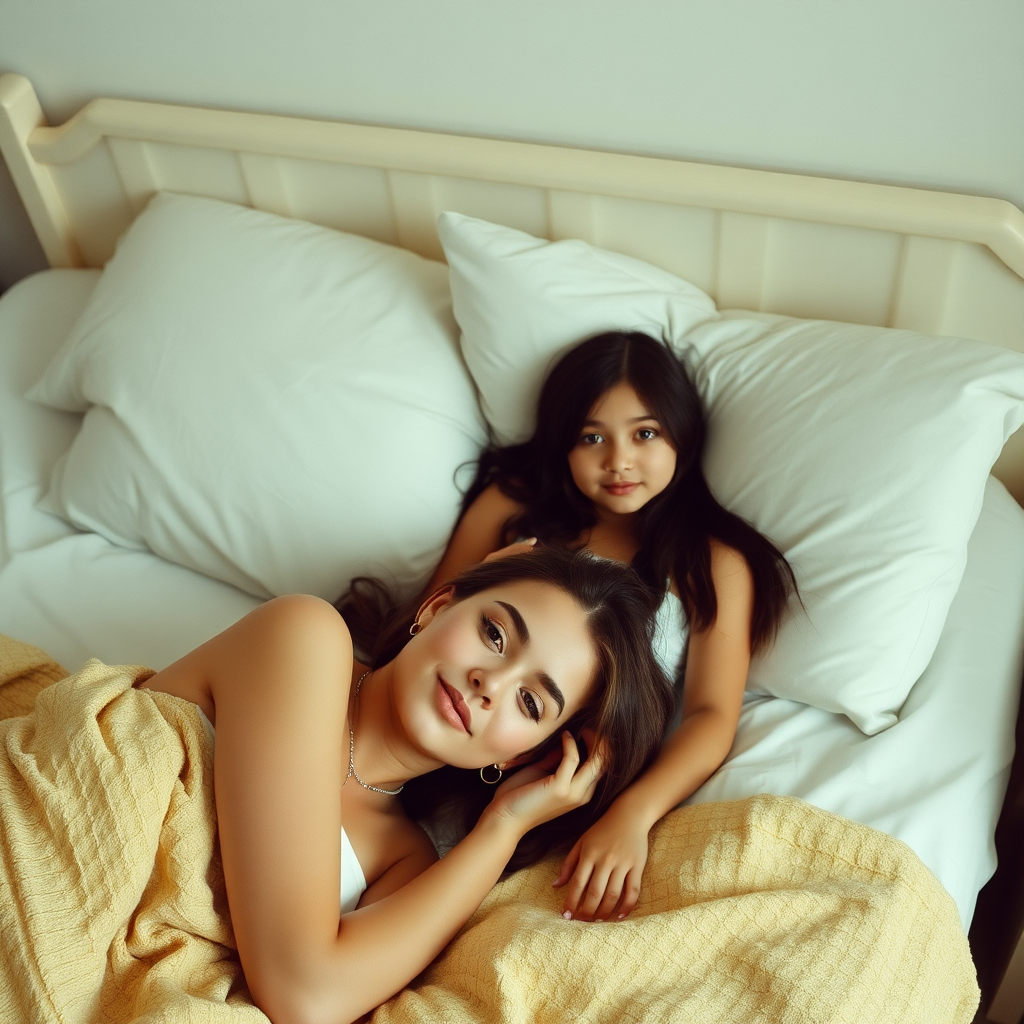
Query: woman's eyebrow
{"x": 552, "y": 687}
{"x": 518, "y": 622}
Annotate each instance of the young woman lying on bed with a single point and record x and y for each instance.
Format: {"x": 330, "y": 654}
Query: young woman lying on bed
{"x": 497, "y": 672}
{"x": 614, "y": 467}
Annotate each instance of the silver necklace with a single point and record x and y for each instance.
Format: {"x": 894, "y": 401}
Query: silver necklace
{"x": 352, "y": 754}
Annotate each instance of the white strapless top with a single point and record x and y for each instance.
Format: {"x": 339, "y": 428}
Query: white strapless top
{"x": 353, "y": 882}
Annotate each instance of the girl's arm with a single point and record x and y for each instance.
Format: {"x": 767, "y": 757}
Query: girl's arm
{"x": 277, "y": 683}
{"x": 477, "y": 534}
{"x": 604, "y": 869}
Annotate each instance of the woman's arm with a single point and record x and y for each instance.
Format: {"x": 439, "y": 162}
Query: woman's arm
{"x": 380, "y": 948}
{"x": 476, "y": 536}
{"x": 604, "y": 868}
{"x": 277, "y": 683}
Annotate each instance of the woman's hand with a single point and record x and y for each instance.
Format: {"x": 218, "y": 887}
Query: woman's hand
{"x": 603, "y": 870}
{"x": 535, "y": 794}
{"x": 520, "y": 547}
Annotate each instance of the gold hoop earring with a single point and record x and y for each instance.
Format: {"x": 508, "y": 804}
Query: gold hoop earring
{"x": 414, "y": 628}
{"x": 487, "y": 768}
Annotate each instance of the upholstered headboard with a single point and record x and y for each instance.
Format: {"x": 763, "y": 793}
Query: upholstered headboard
{"x": 815, "y": 247}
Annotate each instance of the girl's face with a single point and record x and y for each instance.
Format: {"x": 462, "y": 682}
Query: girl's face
{"x": 490, "y": 677}
{"x": 622, "y": 459}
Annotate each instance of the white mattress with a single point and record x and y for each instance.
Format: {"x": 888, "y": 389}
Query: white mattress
{"x": 935, "y": 780}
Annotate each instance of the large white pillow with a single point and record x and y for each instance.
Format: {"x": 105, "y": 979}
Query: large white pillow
{"x": 275, "y": 404}
{"x": 522, "y": 301}
{"x": 861, "y": 452}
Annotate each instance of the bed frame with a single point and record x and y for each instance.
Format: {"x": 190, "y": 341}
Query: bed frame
{"x": 805, "y": 246}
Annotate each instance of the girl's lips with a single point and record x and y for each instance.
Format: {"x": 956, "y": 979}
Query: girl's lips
{"x": 452, "y": 707}
{"x": 624, "y": 488}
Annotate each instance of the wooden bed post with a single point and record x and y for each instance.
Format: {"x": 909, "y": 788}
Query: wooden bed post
{"x": 20, "y": 115}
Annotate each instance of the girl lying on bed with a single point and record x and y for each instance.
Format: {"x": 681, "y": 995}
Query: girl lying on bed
{"x": 614, "y": 467}
{"x": 497, "y": 672}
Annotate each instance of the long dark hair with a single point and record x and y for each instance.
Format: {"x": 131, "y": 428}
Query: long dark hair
{"x": 674, "y": 529}
{"x": 630, "y": 700}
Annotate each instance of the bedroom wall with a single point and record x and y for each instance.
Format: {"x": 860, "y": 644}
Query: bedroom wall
{"x": 918, "y": 92}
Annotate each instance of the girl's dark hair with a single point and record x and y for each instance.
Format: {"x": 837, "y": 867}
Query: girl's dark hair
{"x": 629, "y": 705}
{"x": 674, "y": 528}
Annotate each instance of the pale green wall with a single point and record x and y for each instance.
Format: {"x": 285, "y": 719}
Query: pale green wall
{"x": 922, "y": 93}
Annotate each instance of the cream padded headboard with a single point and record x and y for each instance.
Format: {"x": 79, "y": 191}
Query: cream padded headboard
{"x": 784, "y": 243}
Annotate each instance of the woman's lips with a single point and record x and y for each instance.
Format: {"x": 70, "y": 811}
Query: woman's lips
{"x": 452, "y": 707}
{"x": 623, "y": 488}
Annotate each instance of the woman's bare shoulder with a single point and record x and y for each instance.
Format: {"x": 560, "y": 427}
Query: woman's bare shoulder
{"x": 278, "y": 631}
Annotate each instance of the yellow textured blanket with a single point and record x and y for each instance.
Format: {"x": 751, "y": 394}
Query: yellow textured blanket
{"x": 112, "y": 903}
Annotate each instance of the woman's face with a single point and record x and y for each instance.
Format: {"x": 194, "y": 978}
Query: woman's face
{"x": 490, "y": 677}
{"x": 622, "y": 458}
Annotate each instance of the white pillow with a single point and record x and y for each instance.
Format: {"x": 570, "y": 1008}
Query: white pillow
{"x": 861, "y": 452}
{"x": 522, "y": 302}
{"x": 275, "y": 404}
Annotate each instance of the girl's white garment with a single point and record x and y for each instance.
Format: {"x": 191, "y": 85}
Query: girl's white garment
{"x": 671, "y": 631}
{"x": 353, "y": 882}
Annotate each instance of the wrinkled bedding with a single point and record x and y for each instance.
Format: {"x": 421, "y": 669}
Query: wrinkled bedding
{"x": 758, "y": 910}
{"x": 112, "y": 903}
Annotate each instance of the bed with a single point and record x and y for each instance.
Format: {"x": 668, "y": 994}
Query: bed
{"x": 764, "y": 243}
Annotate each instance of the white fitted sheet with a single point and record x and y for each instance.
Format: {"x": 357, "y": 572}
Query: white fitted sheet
{"x": 935, "y": 780}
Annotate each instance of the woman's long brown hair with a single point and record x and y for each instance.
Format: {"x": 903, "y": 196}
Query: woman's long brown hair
{"x": 629, "y": 704}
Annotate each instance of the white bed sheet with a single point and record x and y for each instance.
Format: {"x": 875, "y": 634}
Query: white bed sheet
{"x": 936, "y": 780}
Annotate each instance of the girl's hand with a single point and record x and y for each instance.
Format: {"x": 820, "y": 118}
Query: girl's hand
{"x": 604, "y": 868}
{"x": 520, "y": 547}
{"x": 535, "y": 794}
